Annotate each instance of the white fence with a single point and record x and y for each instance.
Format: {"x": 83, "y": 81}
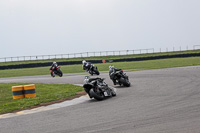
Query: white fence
{"x": 93, "y": 54}
{"x": 76, "y": 55}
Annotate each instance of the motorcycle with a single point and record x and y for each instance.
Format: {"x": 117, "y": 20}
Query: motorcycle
{"x": 56, "y": 71}
{"x": 121, "y": 78}
{"x": 92, "y": 70}
{"x": 96, "y": 88}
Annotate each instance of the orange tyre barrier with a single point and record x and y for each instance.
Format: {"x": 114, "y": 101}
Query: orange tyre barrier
{"x": 18, "y": 92}
{"x": 29, "y": 91}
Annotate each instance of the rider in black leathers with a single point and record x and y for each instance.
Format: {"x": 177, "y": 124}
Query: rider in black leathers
{"x": 86, "y": 65}
{"x": 112, "y": 71}
{"x": 53, "y": 66}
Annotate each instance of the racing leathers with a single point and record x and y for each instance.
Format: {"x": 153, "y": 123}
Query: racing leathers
{"x": 112, "y": 72}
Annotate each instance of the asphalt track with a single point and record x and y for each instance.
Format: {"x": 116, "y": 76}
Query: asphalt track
{"x": 159, "y": 101}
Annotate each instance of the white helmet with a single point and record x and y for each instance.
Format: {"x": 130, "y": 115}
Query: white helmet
{"x": 54, "y": 62}
{"x": 83, "y": 61}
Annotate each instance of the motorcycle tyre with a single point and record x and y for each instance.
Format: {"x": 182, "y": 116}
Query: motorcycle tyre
{"x": 97, "y": 97}
{"x": 97, "y": 72}
{"x": 60, "y": 73}
{"x": 90, "y": 72}
{"x": 125, "y": 82}
{"x": 52, "y": 75}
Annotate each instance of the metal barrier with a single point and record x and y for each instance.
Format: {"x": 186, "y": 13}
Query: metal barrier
{"x": 76, "y": 55}
{"x": 93, "y": 54}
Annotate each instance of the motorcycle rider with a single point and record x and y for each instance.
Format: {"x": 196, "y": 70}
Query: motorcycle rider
{"x": 53, "y": 66}
{"x": 112, "y": 71}
{"x": 86, "y": 65}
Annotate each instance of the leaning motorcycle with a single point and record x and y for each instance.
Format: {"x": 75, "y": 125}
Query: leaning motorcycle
{"x": 56, "y": 71}
{"x": 92, "y": 70}
{"x": 121, "y": 78}
{"x": 96, "y": 88}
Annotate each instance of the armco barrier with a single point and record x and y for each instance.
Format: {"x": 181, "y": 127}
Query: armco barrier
{"x": 32, "y": 65}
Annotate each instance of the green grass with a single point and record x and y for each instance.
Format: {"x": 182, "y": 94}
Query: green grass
{"x": 137, "y": 65}
{"x": 44, "y": 93}
{"x": 100, "y": 57}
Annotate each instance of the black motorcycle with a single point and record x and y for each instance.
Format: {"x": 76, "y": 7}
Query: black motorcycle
{"x": 92, "y": 70}
{"x": 121, "y": 78}
{"x": 56, "y": 71}
{"x": 96, "y": 88}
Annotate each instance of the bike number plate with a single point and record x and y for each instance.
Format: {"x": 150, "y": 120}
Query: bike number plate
{"x": 105, "y": 93}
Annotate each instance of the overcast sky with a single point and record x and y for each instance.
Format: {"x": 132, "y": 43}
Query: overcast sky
{"x": 43, "y": 27}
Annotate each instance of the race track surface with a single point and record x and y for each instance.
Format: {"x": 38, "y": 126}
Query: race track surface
{"x": 158, "y": 101}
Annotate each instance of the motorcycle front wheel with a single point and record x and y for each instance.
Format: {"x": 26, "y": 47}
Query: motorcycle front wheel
{"x": 97, "y": 72}
{"x": 125, "y": 82}
{"x": 52, "y": 75}
{"x": 97, "y": 95}
{"x": 60, "y": 73}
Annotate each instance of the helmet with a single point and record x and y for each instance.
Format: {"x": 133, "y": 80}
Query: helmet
{"x": 83, "y": 61}
{"x": 54, "y": 62}
{"x": 111, "y": 66}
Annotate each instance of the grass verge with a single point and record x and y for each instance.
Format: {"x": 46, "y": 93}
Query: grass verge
{"x": 137, "y": 65}
{"x": 45, "y": 93}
